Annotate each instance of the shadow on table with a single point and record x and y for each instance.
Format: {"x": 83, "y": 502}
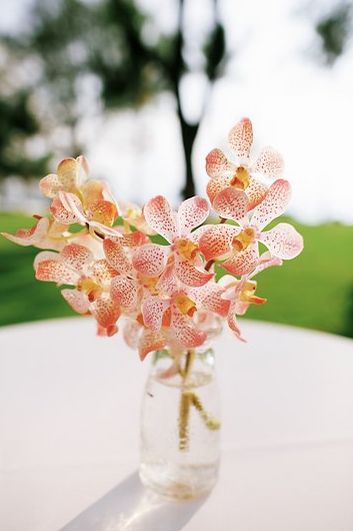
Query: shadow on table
{"x": 131, "y": 507}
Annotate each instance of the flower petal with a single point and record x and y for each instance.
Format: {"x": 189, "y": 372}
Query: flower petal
{"x": 153, "y": 309}
{"x": 217, "y": 165}
{"x": 214, "y": 186}
{"x": 189, "y": 275}
{"x": 232, "y": 320}
{"x": 101, "y": 272}
{"x": 131, "y": 333}
{"x": 76, "y": 256}
{"x": 63, "y": 213}
{"x": 266, "y": 261}
{"x": 244, "y": 262}
{"x": 103, "y": 212}
{"x": 116, "y": 255}
{"x": 186, "y": 333}
{"x": 50, "y": 185}
{"x": 210, "y": 298}
{"x": 72, "y": 173}
{"x": 168, "y": 283}
{"x": 55, "y": 271}
{"x": 256, "y": 192}
{"x": 274, "y": 204}
{"x": 192, "y": 213}
{"x": 216, "y": 241}
{"x": 241, "y": 137}
{"x": 76, "y": 299}
{"x": 32, "y": 236}
{"x": 124, "y": 290}
{"x": 150, "y": 259}
{"x": 72, "y": 204}
{"x": 283, "y": 241}
{"x": 150, "y": 341}
{"x": 231, "y": 203}
{"x": 105, "y": 310}
{"x": 161, "y": 218}
{"x": 270, "y": 163}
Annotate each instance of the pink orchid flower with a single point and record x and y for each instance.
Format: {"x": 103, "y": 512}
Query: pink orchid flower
{"x": 239, "y": 244}
{"x": 253, "y": 178}
{"x": 176, "y": 229}
{"x": 175, "y": 307}
{"x": 77, "y": 199}
{"x": 45, "y": 234}
{"x": 241, "y": 293}
{"x": 76, "y": 266}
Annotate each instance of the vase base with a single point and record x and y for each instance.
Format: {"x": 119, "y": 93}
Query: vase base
{"x": 179, "y": 482}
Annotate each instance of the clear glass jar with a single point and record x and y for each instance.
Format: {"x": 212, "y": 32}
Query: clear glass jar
{"x": 180, "y": 426}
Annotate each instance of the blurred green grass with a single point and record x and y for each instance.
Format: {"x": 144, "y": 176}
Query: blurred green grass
{"x": 312, "y": 291}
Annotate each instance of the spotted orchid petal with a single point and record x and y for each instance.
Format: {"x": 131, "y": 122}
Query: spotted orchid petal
{"x": 72, "y": 204}
{"x": 76, "y": 256}
{"x": 243, "y": 262}
{"x": 72, "y": 173}
{"x": 66, "y": 208}
{"x": 214, "y": 186}
{"x": 232, "y": 320}
{"x": 32, "y": 236}
{"x": 189, "y": 275}
{"x": 217, "y": 165}
{"x": 273, "y": 205}
{"x": 168, "y": 281}
{"x": 231, "y": 203}
{"x": 106, "y": 311}
{"x": 150, "y": 341}
{"x": 124, "y": 290}
{"x": 103, "y": 212}
{"x": 153, "y": 309}
{"x": 216, "y": 240}
{"x": 77, "y": 300}
{"x": 150, "y": 259}
{"x": 283, "y": 241}
{"x": 50, "y": 185}
{"x": 270, "y": 163}
{"x": 266, "y": 261}
{"x": 160, "y": 217}
{"x": 101, "y": 272}
{"x": 186, "y": 333}
{"x": 191, "y": 214}
{"x": 131, "y": 333}
{"x": 135, "y": 239}
{"x": 54, "y": 270}
{"x": 241, "y": 138}
{"x": 256, "y": 192}
{"x": 210, "y": 298}
{"x": 116, "y": 255}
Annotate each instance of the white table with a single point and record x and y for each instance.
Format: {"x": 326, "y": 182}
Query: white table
{"x": 69, "y": 420}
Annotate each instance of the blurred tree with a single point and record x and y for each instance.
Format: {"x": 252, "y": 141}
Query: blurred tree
{"x": 334, "y": 30}
{"x": 112, "y": 45}
{"x": 18, "y": 124}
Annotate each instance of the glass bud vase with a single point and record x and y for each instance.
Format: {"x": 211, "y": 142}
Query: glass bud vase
{"x": 180, "y": 425}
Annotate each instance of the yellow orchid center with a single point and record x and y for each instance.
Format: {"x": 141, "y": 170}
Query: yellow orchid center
{"x": 89, "y": 287}
{"x": 185, "y": 305}
{"x": 186, "y": 248}
{"x": 150, "y": 283}
{"x": 248, "y": 293}
{"x": 241, "y": 178}
{"x": 244, "y": 239}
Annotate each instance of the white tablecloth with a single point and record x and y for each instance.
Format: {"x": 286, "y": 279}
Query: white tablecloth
{"x": 69, "y": 422}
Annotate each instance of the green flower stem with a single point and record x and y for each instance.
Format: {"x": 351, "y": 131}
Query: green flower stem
{"x": 188, "y": 399}
{"x": 184, "y": 407}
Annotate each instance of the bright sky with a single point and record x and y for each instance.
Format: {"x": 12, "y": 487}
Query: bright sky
{"x": 303, "y": 109}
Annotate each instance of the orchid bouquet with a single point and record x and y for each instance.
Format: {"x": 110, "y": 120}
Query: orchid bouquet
{"x": 160, "y": 269}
